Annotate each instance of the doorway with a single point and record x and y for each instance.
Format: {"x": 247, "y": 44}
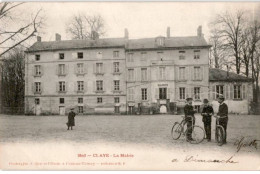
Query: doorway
{"x": 162, "y": 93}
{"x": 62, "y": 110}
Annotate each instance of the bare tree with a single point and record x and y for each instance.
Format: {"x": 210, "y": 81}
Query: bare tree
{"x": 12, "y": 37}
{"x": 85, "y": 27}
{"x": 229, "y": 27}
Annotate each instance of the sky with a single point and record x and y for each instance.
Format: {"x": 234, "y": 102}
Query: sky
{"x": 142, "y": 19}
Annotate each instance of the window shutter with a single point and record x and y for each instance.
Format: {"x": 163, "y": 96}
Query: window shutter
{"x": 186, "y": 73}
{"x": 158, "y": 73}
{"x": 85, "y": 86}
{"x": 213, "y": 93}
{"x": 42, "y": 69}
{"x": 57, "y": 69}
{"x": 104, "y": 85}
{"x": 94, "y": 86}
{"x": 76, "y": 86}
{"x": 33, "y": 87}
{"x": 168, "y": 93}
{"x": 156, "y": 93}
{"x": 56, "y": 56}
{"x": 192, "y": 92}
{"x": 231, "y": 91}
{"x": 75, "y": 68}
{"x": 94, "y": 68}
{"x": 85, "y": 66}
{"x": 177, "y": 92}
{"x": 226, "y": 91}
{"x": 201, "y": 72}
{"x": 243, "y": 91}
{"x": 74, "y": 55}
{"x": 186, "y": 92}
{"x": 57, "y": 86}
{"x": 41, "y": 87}
{"x": 112, "y": 68}
{"x": 67, "y": 69}
{"x": 66, "y": 87}
{"x": 192, "y": 73}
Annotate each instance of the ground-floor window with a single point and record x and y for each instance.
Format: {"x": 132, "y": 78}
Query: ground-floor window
{"x": 62, "y": 100}
{"x": 117, "y": 109}
{"x": 80, "y": 109}
{"x": 37, "y": 101}
{"x": 197, "y": 93}
{"x": 144, "y": 94}
{"x": 117, "y": 100}
{"x": 80, "y": 100}
{"x": 99, "y": 100}
{"x": 182, "y": 93}
{"x": 219, "y": 90}
{"x": 237, "y": 91}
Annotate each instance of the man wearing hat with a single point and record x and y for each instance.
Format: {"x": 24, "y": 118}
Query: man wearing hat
{"x": 207, "y": 113}
{"x": 189, "y": 117}
{"x": 223, "y": 115}
{"x": 71, "y": 120}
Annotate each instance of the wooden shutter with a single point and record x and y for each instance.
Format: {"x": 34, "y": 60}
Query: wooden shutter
{"x": 85, "y": 66}
{"x": 177, "y": 92}
{"x": 76, "y": 86}
{"x": 57, "y": 86}
{"x": 201, "y": 72}
{"x": 213, "y": 92}
{"x": 56, "y": 56}
{"x": 66, "y": 86}
{"x": 156, "y": 93}
{"x": 66, "y": 69}
{"x": 94, "y": 86}
{"x": 76, "y": 68}
{"x": 42, "y": 69}
{"x": 192, "y": 72}
{"x": 186, "y": 92}
{"x": 244, "y": 91}
{"x": 33, "y": 87}
{"x": 41, "y": 86}
{"x": 94, "y": 68}
{"x": 74, "y": 55}
{"x": 231, "y": 91}
{"x": 85, "y": 86}
{"x": 57, "y": 69}
{"x": 168, "y": 93}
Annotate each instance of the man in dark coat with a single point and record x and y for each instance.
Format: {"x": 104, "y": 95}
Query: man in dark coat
{"x": 189, "y": 117}
{"x": 207, "y": 113}
{"x": 223, "y": 115}
{"x": 71, "y": 120}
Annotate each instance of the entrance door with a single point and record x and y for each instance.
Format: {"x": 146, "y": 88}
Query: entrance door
{"x": 37, "y": 110}
{"x": 162, "y": 93}
{"x": 62, "y": 110}
{"x": 117, "y": 109}
{"x": 130, "y": 110}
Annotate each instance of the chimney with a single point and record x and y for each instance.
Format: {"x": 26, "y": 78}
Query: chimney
{"x": 199, "y": 31}
{"x": 39, "y": 39}
{"x": 94, "y": 35}
{"x": 168, "y": 32}
{"x": 126, "y": 34}
{"x": 58, "y": 37}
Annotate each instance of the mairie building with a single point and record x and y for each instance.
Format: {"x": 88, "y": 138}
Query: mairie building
{"x": 118, "y": 75}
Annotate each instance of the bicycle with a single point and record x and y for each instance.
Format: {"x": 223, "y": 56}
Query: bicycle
{"x": 178, "y": 129}
{"x": 219, "y": 131}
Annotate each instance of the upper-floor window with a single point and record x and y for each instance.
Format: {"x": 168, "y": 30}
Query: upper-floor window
{"x": 80, "y": 55}
{"x": 144, "y": 93}
{"x": 181, "y": 73}
{"x": 182, "y": 93}
{"x": 99, "y": 68}
{"x": 143, "y": 56}
{"x": 197, "y": 73}
{"x": 62, "y": 86}
{"x": 197, "y": 93}
{"x": 61, "y": 56}
{"x": 37, "y": 101}
{"x": 37, "y": 57}
{"x": 116, "y": 54}
{"x": 116, "y": 85}
{"x": 37, "y": 71}
{"x": 116, "y": 67}
{"x": 162, "y": 73}
{"x": 130, "y": 74}
{"x": 181, "y": 55}
{"x": 237, "y": 92}
{"x": 99, "y": 100}
{"x": 130, "y": 57}
{"x": 116, "y": 99}
{"x": 80, "y": 68}
{"x": 80, "y": 85}
{"x": 99, "y": 54}
{"x": 99, "y": 84}
{"x": 37, "y": 87}
{"x": 196, "y": 54}
{"x": 61, "y": 70}
{"x": 80, "y": 100}
{"x": 143, "y": 74}
{"x": 62, "y": 100}
{"x": 219, "y": 90}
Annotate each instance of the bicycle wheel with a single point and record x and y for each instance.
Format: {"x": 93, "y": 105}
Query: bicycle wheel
{"x": 220, "y": 134}
{"x": 197, "y": 135}
{"x": 176, "y": 131}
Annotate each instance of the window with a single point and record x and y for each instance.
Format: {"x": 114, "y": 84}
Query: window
{"x": 162, "y": 93}
{"x": 181, "y": 55}
{"x": 237, "y": 91}
{"x": 116, "y": 54}
{"x": 197, "y": 73}
{"x": 80, "y": 85}
{"x": 116, "y": 67}
{"x": 37, "y": 70}
{"x": 99, "y": 100}
{"x": 160, "y": 41}
{"x": 37, "y": 101}
{"x": 99, "y": 68}
{"x": 99, "y": 85}
{"x": 182, "y": 93}
{"x": 143, "y": 56}
{"x": 219, "y": 90}
{"x": 162, "y": 73}
{"x": 61, "y": 56}
{"x": 80, "y": 100}
{"x": 130, "y": 57}
{"x": 62, "y": 100}
{"x": 116, "y": 85}
{"x": 131, "y": 74}
{"x": 131, "y": 94}
{"x": 37, "y": 87}
{"x": 80, "y": 68}
{"x": 80, "y": 55}
{"x": 116, "y": 99}
{"x": 61, "y": 70}
{"x": 80, "y": 109}
{"x": 181, "y": 73}
{"x": 160, "y": 55}
{"x": 37, "y": 57}
{"x": 144, "y": 93}
{"x": 144, "y": 74}
{"x": 99, "y": 55}
{"x": 197, "y": 93}
{"x": 117, "y": 109}
{"x": 62, "y": 86}
{"x": 197, "y": 108}
{"x": 196, "y": 54}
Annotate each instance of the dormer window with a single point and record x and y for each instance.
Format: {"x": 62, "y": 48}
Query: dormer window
{"x": 160, "y": 41}
{"x": 37, "y": 57}
{"x": 61, "y": 55}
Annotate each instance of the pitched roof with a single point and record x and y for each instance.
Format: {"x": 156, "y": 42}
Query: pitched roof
{"x": 221, "y": 75}
{"x": 77, "y": 44}
{"x": 172, "y": 42}
{"x": 147, "y": 43}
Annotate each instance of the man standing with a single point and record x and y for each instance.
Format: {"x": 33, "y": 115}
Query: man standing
{"x": 189, "y": 117}
{"x": 223, "y": 115}
{"x": 207, "y": 113}
{"x": 71, "y": 120}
